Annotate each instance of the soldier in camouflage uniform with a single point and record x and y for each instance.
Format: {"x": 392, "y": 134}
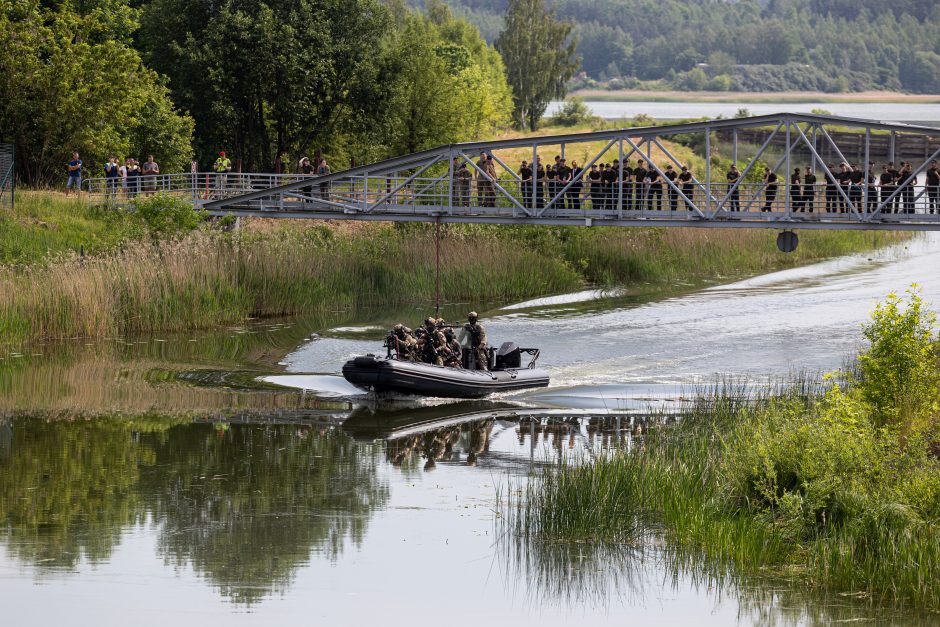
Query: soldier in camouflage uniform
{"x": 404, "y": 342}
{"x": 474, "y": 335}
{"x": 432, "y": 344}
{"x": 452, "y": 349}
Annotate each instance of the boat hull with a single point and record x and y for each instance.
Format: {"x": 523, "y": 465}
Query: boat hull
{"x": 406, "y": 377}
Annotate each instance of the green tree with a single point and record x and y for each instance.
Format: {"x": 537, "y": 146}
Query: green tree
{"x": 71, "y": 81}
{"x": 539, "y": 53}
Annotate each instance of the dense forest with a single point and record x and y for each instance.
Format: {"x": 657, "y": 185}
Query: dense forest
{"x": 268, "y": 81}
{"x": 750, "y": 45}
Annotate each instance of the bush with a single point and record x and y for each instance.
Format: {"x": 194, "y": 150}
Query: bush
{"x": 167, "y": 216}
{"x": 572, "y": 113}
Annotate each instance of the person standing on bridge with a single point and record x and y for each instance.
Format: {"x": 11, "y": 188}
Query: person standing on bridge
{"x": 149, "y": 172}
{"x": 323, "y": 169}
{"x": 481, "y": 180}
{"x": 671, "y": 177}
{"x": 796, "y": 194}
{"x": 808, "y": 202}
{"x": 564, "y": 177}
{"x": 525, "y": 182}
{"x": 688, "y": 186}
{"x": 221, "y": 168}
{"x": 770, "y": 190}
{"x": 464, "y": 177}
{"x": 574, "y": 192}
{"x": 490, "y": 169}
{"x": 640, "y": 185}
{"x": 734, "y": 195}
{"x": 933, "y": 187}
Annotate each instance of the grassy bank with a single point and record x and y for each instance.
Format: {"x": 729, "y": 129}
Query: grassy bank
{"x": 153, "y": 275}
{"x": 837, "y": 488}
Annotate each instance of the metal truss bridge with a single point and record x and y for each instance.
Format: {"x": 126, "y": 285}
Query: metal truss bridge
{"x": 454, "y": 184}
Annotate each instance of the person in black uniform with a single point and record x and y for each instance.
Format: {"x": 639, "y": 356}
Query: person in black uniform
{"x": 626, "y": 175}
{"x": 539, "y": 184}
{"x": 640, "y": 185}
{"x": 671, "y": 177}
{"x": 907, "y": 172}
{"x": 552, "y": 179}
{"x": 564, "y": 177}
{"x": 933, "y": 187}
{"x": 574, "y": 192}
{"x": 832, "y": 190}
{"x": 796, "y": 193}
{"x": 594, "y": 187}
{"x": 809, "y": 189}
{"x": 525, "y": 181}
{"x": 685, "y": 177}
{"x": 611, "y": 178}
{"x": 656, "y": 189}
{"x": 856, "y": 182}
{"x": 845, "y": 183}
{"x": 888, "y": 180}
{"x": 735, "y": 197}
{"x": 770, "y": 190}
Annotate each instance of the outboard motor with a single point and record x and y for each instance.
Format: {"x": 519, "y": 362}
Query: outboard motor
{"x": 508, "y": 356}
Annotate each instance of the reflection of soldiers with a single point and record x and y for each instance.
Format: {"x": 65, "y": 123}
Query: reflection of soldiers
{"x": 432, "y": 344}
{"x": 473, "y": 335}
{"x": 479, "y": 440}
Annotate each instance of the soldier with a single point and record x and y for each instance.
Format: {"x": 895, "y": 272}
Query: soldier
{"x": 432, "y": 344}
{"x": 574, "y": 192}
{"x": 404, "y": 342}
{"x": 655, "y": 189}
{"x": 594, "y": 185}
{"x": 770, "y": 189}
{"x": 564, "y": 177}
{"x": 933, "y": 187}
{"x": 733, "y": 194}
{"x": 525, "y": 181}
{"x": 452, "y": 350}
{"x": 490, "y": 169}
{"x": 640, "y": 186}
{"x": 832, "y": 190}
{"x": 809, "y": 189}
{"x": 473, "y": 335}
{"x": 796, "y": 194}
{"x": 481, "y": 180}
{"x": 673, "y": 194}
{"x": 856, "y": 181}
{"x": 464, "y": 177}
{"x": 685, "y": 177}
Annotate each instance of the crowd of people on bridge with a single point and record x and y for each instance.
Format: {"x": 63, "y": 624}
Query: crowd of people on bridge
{"x": 128, "y": 176}
{"x": 650, "y": 187}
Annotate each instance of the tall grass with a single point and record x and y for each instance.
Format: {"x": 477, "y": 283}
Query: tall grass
{"x": 140, "y": 282}
{"x": 675, "y": 486}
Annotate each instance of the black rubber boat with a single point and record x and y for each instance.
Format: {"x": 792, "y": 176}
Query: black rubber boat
{"x": 389, "y": 374}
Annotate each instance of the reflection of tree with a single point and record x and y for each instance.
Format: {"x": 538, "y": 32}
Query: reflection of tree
{"x": 246, "y": 505}
{"x": 67, "y": 489}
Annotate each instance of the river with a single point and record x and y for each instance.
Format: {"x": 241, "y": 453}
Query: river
{"x": 924, "y": 113}
{"x": 235, "y": 478}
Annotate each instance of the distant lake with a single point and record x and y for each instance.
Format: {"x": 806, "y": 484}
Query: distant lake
{"x": 882, "y": 111}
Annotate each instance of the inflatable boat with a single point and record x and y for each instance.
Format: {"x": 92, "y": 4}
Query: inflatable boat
{"x": 390, "y": 374}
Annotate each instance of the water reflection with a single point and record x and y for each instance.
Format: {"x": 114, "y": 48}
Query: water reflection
{"x": 243, "y": 505}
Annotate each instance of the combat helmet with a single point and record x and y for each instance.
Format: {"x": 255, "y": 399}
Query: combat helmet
{"x": 472, "y": 316}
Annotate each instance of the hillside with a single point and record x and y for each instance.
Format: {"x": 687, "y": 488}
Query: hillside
{"x": 785, "y": 45}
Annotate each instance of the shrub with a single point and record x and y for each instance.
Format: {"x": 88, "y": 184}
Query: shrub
{"x": 572, "y": 113}
{"x": 167, "y": 216}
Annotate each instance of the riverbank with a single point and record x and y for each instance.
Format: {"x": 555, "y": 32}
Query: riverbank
{"x": 744, "y": 97}
{"x": 832, "y": 486}
{"x": 159, "y": 277}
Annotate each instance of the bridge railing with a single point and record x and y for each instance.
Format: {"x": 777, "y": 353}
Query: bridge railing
{"x": 196, "y": 186}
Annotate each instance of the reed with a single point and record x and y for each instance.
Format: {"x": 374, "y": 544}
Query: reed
{"x": 677, "y": 485}
{"x": 135, "y": 280}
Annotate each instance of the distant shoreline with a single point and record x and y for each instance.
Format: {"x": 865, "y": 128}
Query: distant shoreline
{"x": 745, "y": 97}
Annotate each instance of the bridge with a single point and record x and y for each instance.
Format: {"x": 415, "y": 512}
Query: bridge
{"x": 454, "y": 183}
